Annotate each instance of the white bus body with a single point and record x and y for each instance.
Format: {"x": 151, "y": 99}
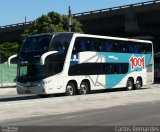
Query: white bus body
{"x": 83, "y": 63}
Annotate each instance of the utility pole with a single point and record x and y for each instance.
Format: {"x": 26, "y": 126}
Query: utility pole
{"x": 25, "y": 20}
{"x": 70, "y": 21}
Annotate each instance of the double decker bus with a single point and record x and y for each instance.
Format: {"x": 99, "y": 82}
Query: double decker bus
{"x": 74, "y": 63}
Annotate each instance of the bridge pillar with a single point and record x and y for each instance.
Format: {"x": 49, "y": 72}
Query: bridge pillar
{"x": 131, "y": 22}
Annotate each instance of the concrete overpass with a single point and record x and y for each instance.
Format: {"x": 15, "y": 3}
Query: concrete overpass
{"x": 140, "y": 20}
{"x": 12, "y": 32}
{"x": 129, "y": 20}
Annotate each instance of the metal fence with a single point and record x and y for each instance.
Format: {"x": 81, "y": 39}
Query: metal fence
{"x": 8, "y": 75}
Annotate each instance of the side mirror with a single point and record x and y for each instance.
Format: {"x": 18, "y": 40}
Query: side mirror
{"x": 43, "y": 57}
{"x": 10, "y": 58}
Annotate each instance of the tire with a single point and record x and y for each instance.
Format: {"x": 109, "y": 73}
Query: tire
{"x": 130, "y": 84}
{"x": 84, "y": 88}
{"x": 70, "y": 89}
{"x": 138, "y": 84}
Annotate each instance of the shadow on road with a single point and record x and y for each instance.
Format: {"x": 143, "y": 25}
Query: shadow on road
{"x": 18, "y": 98}
{"x": 30, "y": 97}
{"x": 26, "y": 97}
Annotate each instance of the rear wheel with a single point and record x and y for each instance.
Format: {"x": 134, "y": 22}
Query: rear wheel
{"x": 70, "y": 89}
{"x": 84, "y": 88}
{"x": 130, "y": 84}
{"x": 138, "y": 84}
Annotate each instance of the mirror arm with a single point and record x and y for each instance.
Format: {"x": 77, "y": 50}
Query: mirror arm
{"x": 44, "y": 56}
{"x": 10, "y": 58}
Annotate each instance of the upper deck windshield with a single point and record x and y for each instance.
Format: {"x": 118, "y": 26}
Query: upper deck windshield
{"x": 36, "y": 44}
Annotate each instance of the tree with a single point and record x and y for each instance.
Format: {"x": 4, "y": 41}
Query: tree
{"x": 7, "y": 49}
{"x": 52, "y": 22}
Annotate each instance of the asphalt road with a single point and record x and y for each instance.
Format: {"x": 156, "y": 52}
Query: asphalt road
{"x": 137, "y": 114}
{"x": 82, "y": 113}
{"x": 141, "y": 114}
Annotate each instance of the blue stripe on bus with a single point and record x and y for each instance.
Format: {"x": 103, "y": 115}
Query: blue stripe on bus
{"x": 113, "y": 80}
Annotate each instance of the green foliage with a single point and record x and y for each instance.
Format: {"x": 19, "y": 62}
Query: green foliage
{"x": 52, "y": 22}
{"x": 7, "y": 49}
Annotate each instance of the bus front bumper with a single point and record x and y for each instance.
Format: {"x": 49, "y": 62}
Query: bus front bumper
{"x": 30, "y": 89}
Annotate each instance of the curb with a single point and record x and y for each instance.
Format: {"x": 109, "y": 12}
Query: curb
{"x": 8, "y": 85}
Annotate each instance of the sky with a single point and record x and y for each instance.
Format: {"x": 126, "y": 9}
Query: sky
{"x": 15, "y": 11}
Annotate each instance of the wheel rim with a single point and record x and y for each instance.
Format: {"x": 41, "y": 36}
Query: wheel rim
{"x": 129, "y": 85}
{"x": 83, "y": 89}
{"x": 138, "y": 84}
{"x": 70, "y": 90}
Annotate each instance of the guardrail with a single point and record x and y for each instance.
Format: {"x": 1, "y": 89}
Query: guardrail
{"x": 15, "y": 25}
{"x": 117, "y": 8}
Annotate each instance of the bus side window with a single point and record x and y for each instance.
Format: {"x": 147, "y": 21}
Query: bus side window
{"x": 76, "y": 47}
{"x": 117, "y": 47}
{"x": 125, "y": 48}
{"x": 79, "y": 45}
{"x": 143, "y": 48}
{"x": 88, "y": 45}
{"x": 118, "y": 68}
{"x": 131, "y": 48}
{"x": 108, "y": 46}
{"x": 136, "y": 48}
{"x": 109, "y": 68}
{"x": 97, "y": 45}
{"x": 82, "y": 45}
{"x": 104, "y": 68}
{"x": 60, "y": 44}
{"x": 92, "y": 45}
{"x": 148, "y": 48}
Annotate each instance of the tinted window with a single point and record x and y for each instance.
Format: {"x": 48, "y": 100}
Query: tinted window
{"x": 136, "y": 48}
{"x": 60, "y": 42}
{"x": 124, "y": 48}
{"x": 55, "y": 62}
{"x": 143, "y": 48}
{"x": 98, "y": 69}
{"x": 108, "y": 46}
{"x": 85, "y": 69}
{"x": 104, "y": 45}
{"x": 130, "y": 48}
{"x": 148, "y": 48}
{"x": 36, "y": 44}
{"x": 80, "y": 45}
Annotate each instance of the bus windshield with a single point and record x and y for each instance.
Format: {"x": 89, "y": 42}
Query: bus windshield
{"x": 36, "y": 44}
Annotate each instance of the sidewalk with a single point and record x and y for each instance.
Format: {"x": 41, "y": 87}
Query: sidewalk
{"x": 8, "y": 91}
{"x": 7, "y": 85}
